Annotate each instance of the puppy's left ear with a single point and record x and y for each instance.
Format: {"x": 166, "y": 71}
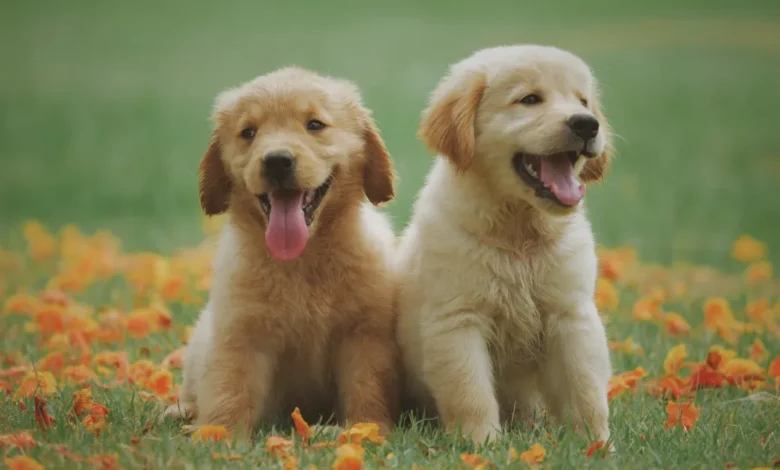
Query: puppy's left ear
{"x": 595, "y": 168}
{"x": 447, "y": 126}
{"x": 378, "y": 174}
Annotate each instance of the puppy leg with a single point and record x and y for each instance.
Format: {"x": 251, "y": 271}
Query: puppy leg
{"x": 458, "y": 371}
{"x": 576, "y": 371}
{"x": 186, "y": 408}
{"x": 235, "y": 386}
{"x": 367, "y": 378}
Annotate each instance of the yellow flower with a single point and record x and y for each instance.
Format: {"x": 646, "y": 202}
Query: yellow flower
{"x": 606, "y": 295}
{"x": 533, "y": 455}
{"x": 747, "y": 248}
{"x": 758, "y": 271}
{"x": 40, "y": 243}
{"x": 34, "y": 383}
{"x": 674, "y": 359}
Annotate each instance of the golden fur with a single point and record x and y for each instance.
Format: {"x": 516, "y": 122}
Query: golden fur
{"x": 316, "y": 332}
{"x": 496, "y": 302}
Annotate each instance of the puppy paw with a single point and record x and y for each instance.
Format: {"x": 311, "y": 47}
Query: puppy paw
{"x": 185, "y": 411}
{"x": 482, "y": 433}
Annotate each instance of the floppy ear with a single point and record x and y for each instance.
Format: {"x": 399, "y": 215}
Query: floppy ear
{"x": 378, "y": 174}
{"x": 595, "y": 168}
{"x": 447, "y": 125}
{"x": 214, "y": 182}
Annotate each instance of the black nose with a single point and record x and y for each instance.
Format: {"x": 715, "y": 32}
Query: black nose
{"x": 584, "y": 126}
{"x": 278, "y": 166}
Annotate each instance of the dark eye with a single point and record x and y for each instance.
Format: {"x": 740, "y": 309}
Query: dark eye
{"x": 249, "y": 133}
{"x": 584, "y": 102}
{"x": 315, "y": 125}
{"x": 531, "y": 99}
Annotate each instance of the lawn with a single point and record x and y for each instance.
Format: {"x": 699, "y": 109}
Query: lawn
{"x": 103, "y": 119}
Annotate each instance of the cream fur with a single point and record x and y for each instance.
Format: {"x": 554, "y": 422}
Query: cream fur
{"x": 496, "y": 305}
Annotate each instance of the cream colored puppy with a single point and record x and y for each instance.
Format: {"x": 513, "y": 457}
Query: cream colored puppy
{"x": 498, "y": 263}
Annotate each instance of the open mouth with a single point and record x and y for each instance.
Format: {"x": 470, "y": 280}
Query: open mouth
{"x": 290, "y": 213}
{"x": 551, "y": 176}
{"x": 310, "y": 199}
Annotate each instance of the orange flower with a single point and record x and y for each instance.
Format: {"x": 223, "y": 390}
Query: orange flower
{"x": 290, "y": 462}
{"x": 116, "y": 359}
{"x": 758, "y": 272}
{"x": 627, "y": 346}
{"x": 684, "y": 414}
{"x": 596, "y": 447}
{"x": 349, "y": 457}
{"x": 277, "y": 446}
{"x": 21, "y": 303}
{"x": 95, "y": 421}
{"x": 19, "y": 440}
{"x": 475, "y": 461}
{"x": 22, "y": 462}
{"x": 674, "y": 359}
{"x": 161, "y": 382}
{"x": 82, "y": 401}
{"x": 758, "y": 351}
{"x": 78, "y": 375}
{"x": 647, "y": 309}
{"x": 50, "y": 319}
{"x": 675, "y": 324}
{"x": 774, "y": 372}
{"x": 42, "y": 416}
{"x": 104, "y": 461}
{"x": 36, "y": 383}
{"x": 613, "y": 263}
{"x": 747, "y": 248}
{"x": 533, "y": 455}
{"x": 740, "y": 370}
{"x": 669, "y": 386}
{"x": 774, "y": 368}
{"x": 210, "y": 433}
{"x": 52, "y": 362}
{"x": 758, "y": 310}
{"x": 705, "y": 376}
{"x": 301, "y": 426}
{"x": 717, "y": 313}
{"x": 144, "y": 321}
{"x": 360, "y": 433}
{"x": 140, "y": 371}
{"x": 718, "y": 355}
{"x": 606, "y": 295}
{"x": 625, "y": 381}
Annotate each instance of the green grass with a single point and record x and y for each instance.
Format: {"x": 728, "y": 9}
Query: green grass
{"x": 103, "y": 120}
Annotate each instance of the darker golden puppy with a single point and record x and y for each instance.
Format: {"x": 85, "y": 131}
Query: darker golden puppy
{"x": 300, "y": 312}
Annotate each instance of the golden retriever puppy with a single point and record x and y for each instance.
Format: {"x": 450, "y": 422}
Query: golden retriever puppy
{"x": 497, "y": 266}
{"x": 301, "y": 307}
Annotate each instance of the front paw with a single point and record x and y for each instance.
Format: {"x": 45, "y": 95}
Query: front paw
{"x": 481, "y": 433}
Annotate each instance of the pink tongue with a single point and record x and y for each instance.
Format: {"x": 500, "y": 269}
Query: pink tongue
{"x": 287, "y": 233}
{"x": 557, "y": 173}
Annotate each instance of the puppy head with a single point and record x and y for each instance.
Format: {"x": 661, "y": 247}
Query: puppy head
{"x": 292, "y": 142}
{"x": 525, "y": 118}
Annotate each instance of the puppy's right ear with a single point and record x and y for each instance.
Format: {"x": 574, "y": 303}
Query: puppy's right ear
{"x": 214, "y": 182}
{"x": 447, "y": 125}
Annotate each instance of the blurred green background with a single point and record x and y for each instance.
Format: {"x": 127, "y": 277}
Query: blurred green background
{"x": 104, "y": 105}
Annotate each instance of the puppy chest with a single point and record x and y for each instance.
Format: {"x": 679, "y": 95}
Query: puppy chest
{"x": 518, "y": 324}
